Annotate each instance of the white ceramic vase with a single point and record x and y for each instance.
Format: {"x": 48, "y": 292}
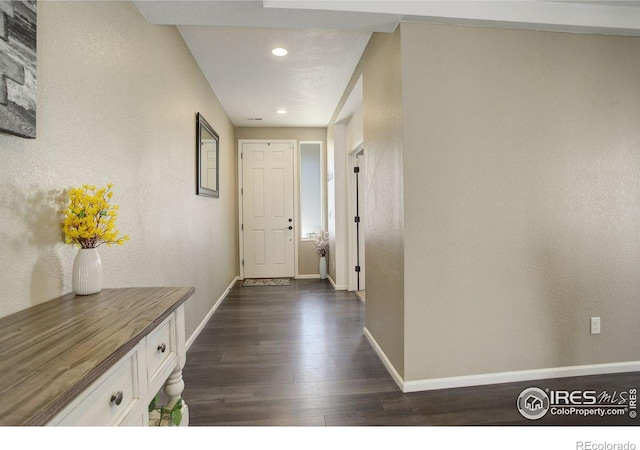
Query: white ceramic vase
{"x": 86, "y": 278}
{"x": 323, "y": 267}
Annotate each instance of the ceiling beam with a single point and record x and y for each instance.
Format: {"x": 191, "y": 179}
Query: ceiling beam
{"x": 574, "y": 16}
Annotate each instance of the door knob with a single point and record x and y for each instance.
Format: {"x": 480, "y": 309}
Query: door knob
{"x": 290, "y": 227}
{"x": 290, "y": 220}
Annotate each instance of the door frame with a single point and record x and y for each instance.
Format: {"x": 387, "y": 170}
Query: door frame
{"x": 296, "y": 208}
{"x": 351, "y": 213}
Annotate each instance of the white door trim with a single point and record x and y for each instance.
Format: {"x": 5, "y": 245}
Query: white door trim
{"x": 296, "y": 212}
{"x": 351, "y": 213}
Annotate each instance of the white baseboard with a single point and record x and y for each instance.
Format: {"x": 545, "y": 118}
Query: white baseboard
{"x": 392, "y": 370}
{"x": 500, "y": 377}
{"x": 336, "y": 287}
{"x": 522, "y": 375}
{"x": 308, "y": 277}
{"x": 198, "y": 330}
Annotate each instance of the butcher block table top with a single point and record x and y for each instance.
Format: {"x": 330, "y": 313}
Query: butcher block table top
{"x": 51, "y": 352}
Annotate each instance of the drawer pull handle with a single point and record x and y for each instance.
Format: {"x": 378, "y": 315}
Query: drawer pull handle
{"x": 162, "y": 347}
{"x": 116, "y": 398}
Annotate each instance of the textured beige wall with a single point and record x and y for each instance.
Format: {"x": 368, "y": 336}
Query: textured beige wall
{"x": 308, "y": 260}
{"x": 384, "y": 245}
{"x": 355, "y": 129}
{"x": 291, "y": 133}
{"x": 522, "y": 192}
{"x": 381, "y": 118}
{"x": 117, "y": 100}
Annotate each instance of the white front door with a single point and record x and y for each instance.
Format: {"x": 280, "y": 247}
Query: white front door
{"x": 267, "y": 209}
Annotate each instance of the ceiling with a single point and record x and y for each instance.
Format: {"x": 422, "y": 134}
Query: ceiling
{"x": 232, "y": 42}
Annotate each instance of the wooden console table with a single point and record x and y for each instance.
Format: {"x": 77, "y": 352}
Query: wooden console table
{"x": 95, "y": 359}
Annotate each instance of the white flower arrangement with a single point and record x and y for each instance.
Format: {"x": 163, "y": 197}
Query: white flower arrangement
{"x": 321, "y": 245}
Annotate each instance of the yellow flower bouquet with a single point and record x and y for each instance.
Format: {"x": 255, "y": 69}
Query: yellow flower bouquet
{"x": 90, "y": 219}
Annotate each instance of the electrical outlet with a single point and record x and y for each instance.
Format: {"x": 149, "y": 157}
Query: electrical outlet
{"x": 595, "y": 325}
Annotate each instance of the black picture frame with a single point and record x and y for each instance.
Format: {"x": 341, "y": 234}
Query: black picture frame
{"x": 207, "y": 154}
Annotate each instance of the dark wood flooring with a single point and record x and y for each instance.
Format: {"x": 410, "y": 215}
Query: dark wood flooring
{"x": 296, "y": 355}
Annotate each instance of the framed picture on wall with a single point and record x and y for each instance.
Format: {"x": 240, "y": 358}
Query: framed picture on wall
{"x": 207, "y": 159}
{"x": 18, "y": 68}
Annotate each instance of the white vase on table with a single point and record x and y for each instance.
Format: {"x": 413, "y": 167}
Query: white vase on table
{"x": 86, "y": 277}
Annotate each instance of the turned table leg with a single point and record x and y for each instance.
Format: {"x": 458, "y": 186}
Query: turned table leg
{"x": 173, "y": 388}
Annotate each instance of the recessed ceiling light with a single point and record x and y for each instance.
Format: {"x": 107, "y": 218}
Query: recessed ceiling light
{"x": 280, "y": 51}
{"x": 281, "y": 111}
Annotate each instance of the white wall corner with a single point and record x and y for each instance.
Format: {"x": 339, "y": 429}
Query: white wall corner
{"x": 392, "y": 370}
{"x": 337, "y": 287}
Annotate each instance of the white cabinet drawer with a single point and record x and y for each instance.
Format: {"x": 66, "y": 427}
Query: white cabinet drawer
{"x": 160, "y": 349}
{"x": 135, "y": 419}
{"x": 108, "y": 400}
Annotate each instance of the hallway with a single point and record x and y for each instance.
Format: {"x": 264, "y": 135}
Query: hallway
{"x": 296, "y": 355}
